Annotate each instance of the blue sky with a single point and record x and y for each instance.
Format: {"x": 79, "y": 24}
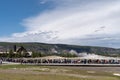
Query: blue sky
{"x": 79, "y": 22}
{"x": 12, "y": 12}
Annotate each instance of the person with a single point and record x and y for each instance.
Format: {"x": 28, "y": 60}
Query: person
{"x": 0, "y": 61}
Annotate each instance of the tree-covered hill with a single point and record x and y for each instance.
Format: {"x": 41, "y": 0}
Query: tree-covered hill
{"x": 59, "y": 48}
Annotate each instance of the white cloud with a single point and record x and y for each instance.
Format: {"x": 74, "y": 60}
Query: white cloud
{"x": 74, "y": 22}
{"x": 43, "y": 1}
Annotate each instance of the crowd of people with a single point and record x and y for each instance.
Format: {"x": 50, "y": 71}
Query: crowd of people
{"x": 60, "y": 61}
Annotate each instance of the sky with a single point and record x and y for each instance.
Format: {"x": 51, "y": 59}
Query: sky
{"x": 77, "y": 22}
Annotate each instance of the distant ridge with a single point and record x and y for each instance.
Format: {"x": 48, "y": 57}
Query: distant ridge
{"x": 47, "y": 48}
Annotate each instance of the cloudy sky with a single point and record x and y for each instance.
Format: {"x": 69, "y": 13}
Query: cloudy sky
{"x": 79, "y": 22}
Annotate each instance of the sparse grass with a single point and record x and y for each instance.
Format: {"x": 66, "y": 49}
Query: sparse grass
{"x": 6, "y": 76}
{"x": 53, "y": 73}
{"x": 13, "y": 66}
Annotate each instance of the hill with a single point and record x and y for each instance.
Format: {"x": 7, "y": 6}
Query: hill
{"x": 60, "y": 48}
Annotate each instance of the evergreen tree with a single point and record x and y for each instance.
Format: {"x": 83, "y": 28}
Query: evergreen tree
{"x": 10, "y": 54}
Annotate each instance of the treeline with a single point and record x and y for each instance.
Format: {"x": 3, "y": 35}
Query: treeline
{"x": 42, "y": 54}
{"x": 34, "y": 54}
{"x": 11, "y": 54}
